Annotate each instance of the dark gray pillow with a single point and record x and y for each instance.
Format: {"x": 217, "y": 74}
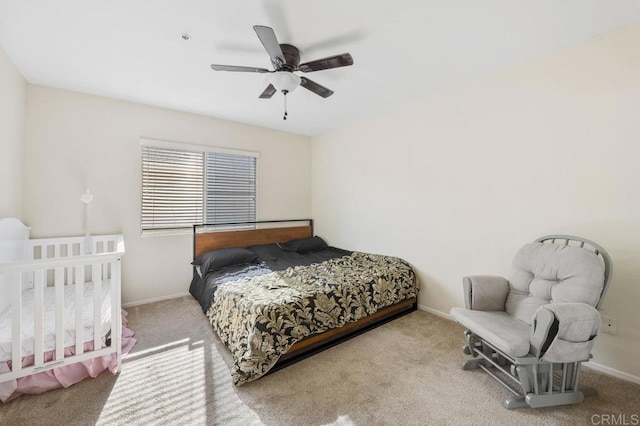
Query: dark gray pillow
{"x": 218, "y": 259}
{"x": 266, "y": 251}
{"x": 304, "y": 245}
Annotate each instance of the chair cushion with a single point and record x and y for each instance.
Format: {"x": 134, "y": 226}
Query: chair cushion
{"x": 505, "y": 332}
{"x": 548, "y": 273}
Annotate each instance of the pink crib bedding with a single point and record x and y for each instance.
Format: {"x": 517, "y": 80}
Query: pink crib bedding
{"x": 64, "y": 376}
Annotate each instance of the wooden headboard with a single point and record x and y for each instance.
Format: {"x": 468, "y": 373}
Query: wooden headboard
{"x": 207, "y": 241}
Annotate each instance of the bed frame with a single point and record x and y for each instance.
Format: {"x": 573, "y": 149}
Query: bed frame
{"x": 209, "y": 237}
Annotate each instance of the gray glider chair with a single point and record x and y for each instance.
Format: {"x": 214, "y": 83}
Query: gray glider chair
{"x": 535, "y": 329}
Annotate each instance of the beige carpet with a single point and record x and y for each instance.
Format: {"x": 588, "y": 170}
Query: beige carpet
{"x": 404, "y": 372}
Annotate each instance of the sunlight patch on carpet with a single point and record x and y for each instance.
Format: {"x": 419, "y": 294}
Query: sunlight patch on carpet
{"x": 181, "y": 382}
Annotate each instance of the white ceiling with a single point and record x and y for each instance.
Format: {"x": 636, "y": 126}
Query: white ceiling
{"x": 403, "y": 50}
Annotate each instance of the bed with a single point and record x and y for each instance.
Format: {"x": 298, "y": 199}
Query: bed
{"x": 60, "y": 313}
{"x": 286, "y": 295}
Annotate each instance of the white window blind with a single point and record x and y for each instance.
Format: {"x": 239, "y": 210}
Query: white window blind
{"x": 230, "y": 188}
{"x": 183, "y": 187}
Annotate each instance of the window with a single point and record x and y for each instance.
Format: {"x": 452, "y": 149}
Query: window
{"x": 183, "y": 185}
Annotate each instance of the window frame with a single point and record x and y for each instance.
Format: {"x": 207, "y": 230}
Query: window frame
{"x": 158, "y": 143}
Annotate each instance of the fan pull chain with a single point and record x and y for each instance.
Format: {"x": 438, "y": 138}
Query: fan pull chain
{"x": 284, "y": 92}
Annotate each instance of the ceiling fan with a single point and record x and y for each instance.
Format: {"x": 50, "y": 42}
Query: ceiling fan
{"x": 286, "y": 59}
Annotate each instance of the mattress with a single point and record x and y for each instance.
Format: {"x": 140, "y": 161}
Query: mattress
{"x": 49, "y": 329}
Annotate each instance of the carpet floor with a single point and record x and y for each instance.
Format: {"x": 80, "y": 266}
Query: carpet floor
{"x": 402, "y": 373}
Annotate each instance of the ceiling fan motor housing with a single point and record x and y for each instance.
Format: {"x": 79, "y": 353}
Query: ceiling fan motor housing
{"x": 291, "y": 56}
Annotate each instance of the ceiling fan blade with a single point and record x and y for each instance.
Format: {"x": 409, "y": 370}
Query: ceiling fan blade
{"x": 315, "y": 87}
{"x": 236, "y": 68}
{"x": 270, "y": 43}
{"x": 268, "y": 92}
{"x": 326, "y": 63}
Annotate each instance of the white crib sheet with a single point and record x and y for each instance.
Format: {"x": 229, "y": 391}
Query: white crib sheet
{"x": 49, "y": 330}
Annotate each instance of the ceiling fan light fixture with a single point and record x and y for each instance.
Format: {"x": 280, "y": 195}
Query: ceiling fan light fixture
{"x": 285, "y": 81}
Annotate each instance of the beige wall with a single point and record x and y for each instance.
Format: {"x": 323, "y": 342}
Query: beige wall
{"x": 76, "y": 141}
{"x": 457, "y": 183}
{"x": 13, "y": 89}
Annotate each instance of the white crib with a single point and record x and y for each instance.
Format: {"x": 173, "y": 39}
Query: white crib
{"x": 65, "y": 287}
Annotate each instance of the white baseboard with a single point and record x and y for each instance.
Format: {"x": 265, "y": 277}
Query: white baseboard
{"x": 612, "y": 372}
{"x": 155, "y": 299}
{"x": 593, "y": 365}
{"x": 435, "y": 312}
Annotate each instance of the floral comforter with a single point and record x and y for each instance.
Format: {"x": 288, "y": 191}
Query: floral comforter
{"x": 259, "y": 318}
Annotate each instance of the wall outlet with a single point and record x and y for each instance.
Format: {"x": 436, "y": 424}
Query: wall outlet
{"x": 609, "y": 325}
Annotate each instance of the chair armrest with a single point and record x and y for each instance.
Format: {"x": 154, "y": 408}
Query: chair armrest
{"x": 485, "y": 292}
{"x": 564, "y": 332}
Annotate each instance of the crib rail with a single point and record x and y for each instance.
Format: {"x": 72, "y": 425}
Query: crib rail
{"x": 46, "y": 248}
{"x": 57, "y": 263}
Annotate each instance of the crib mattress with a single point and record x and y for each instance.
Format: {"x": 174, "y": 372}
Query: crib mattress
{"x": 49, "y": 329}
